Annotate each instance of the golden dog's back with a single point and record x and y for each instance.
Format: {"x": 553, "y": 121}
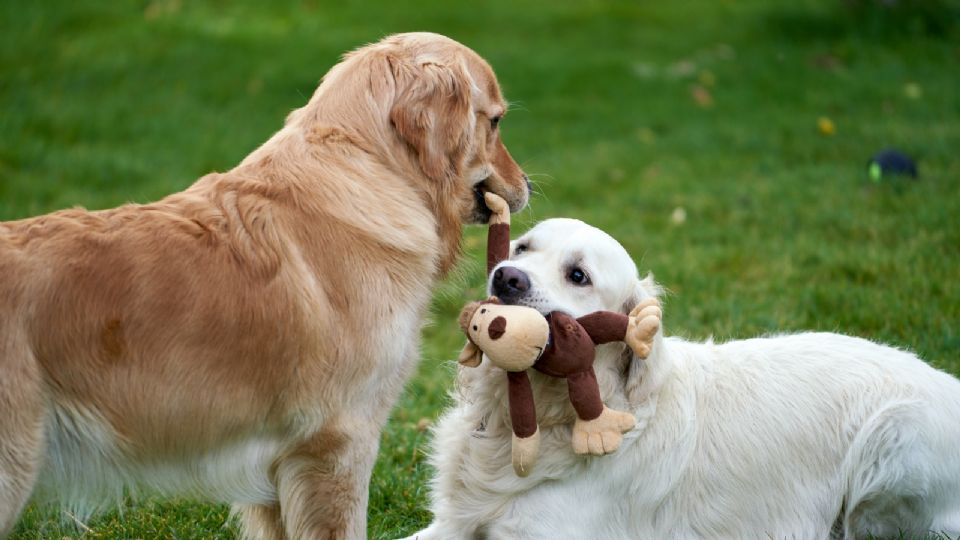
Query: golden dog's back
{"x": 129, "y": 318}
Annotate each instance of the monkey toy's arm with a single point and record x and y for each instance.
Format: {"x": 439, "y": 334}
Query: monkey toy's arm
{"x": 598, "y": 429}
{"x": 637, "y": 330}
{"x": 498, "y": 234}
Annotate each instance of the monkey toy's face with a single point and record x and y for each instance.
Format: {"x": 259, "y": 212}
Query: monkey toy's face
{"x": 512, "y": 337}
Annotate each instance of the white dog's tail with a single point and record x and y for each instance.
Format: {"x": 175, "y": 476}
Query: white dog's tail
{"x": 888, "y": 474}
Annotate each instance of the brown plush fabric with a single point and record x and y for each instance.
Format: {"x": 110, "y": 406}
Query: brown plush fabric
{"x": 570, "y": 349}
{"x": 605, "y": 326}
{"x": 497, "y": 328}
{"x": 523, "y": 412}
{"x": 570, "y": 354}
{"x": 585, "y": 394}
{"x": 498, "y": 244}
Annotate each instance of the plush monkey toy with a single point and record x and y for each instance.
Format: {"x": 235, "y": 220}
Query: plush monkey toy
{"x": 516, "y": 338}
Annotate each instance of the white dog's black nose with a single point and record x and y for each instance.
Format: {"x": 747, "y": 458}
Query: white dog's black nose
{"x": 509, "y": 283}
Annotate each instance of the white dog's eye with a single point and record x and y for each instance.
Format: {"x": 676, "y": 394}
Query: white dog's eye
{"x": 578, "y": 276}
{"x": 521, "y": 248}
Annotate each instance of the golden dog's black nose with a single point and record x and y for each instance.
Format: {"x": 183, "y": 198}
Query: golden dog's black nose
{"x": 510, "y": 283}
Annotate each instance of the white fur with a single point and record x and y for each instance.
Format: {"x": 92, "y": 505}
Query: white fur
{"x": 812, "y": 435}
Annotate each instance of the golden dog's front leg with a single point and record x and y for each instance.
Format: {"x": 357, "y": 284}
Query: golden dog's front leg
{"x": 323, "y": 483}
{"x": 259, "y": 522}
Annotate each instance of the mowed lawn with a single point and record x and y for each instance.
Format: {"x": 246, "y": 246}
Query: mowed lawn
{"x": 723, "y": 142}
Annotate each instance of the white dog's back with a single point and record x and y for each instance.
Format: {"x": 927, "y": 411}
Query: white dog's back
{"x": 808, "y": 430}
{"x": 799, "y": 436}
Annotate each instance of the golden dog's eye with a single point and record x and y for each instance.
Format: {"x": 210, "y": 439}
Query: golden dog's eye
{"x": 494, "y": 122}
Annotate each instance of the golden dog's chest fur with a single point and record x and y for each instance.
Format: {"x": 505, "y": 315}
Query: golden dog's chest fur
{"x": 245, "y": 339}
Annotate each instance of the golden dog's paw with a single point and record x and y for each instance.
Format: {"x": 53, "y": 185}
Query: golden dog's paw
{"x": 644, "y": 323}
{"x": 524, "y": 452}
{"x": 603, "y": 434}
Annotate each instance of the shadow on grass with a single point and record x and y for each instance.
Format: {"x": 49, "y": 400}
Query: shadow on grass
{"x": 871, "y": 19}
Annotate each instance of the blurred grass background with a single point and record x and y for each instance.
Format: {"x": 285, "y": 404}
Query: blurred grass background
{"x": 723, "y": 142}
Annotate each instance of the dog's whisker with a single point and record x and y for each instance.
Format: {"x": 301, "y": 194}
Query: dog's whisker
{"x": 541, "y": 177}
{"x": 539, "y": 184}
{"x": 517, "y": 106}
{"x": 537, "y": 189}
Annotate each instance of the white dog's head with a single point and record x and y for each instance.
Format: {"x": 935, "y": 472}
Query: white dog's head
{"x": 567, "y": 265}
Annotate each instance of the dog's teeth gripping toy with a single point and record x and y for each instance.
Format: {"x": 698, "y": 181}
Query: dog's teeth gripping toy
{"x": 516, "y": 338}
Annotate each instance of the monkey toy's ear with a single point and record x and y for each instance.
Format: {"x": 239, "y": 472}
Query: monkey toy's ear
{"x": 471, "y": 355}
{"x": 466, "y": 314}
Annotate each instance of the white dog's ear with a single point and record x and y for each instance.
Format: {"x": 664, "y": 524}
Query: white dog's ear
{"x": 431, "y": 114}
{"x": 643, "y": 289}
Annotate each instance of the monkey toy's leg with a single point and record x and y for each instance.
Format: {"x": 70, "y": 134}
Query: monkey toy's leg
{"x": 598, "y": 429}
{"x": 525, "y": 447}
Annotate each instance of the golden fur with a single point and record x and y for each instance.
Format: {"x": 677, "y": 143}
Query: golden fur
{"x": 244, "y": 340}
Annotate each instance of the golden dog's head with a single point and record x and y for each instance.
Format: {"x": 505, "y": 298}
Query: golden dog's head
{"x": 448, "y": 109}
{"x": 437, "y": 106}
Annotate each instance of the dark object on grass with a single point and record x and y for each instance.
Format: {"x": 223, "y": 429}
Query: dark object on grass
{"x": 891, "y": 162}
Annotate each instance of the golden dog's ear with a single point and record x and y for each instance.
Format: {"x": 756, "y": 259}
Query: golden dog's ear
{"x": 432, "y": 115}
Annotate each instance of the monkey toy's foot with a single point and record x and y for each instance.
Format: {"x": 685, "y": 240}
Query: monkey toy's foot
{"x": 525, "y": 451}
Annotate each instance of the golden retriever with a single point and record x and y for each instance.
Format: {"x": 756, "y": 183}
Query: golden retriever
{"x": 244, "y": 340}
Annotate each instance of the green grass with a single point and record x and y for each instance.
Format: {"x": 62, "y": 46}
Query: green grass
{"x": 109, "y": 102}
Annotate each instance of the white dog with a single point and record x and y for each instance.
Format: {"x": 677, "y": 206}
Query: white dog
{"x": 800, "y": 436}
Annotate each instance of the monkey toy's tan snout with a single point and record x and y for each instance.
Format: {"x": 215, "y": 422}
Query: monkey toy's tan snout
{"x": 512, "y": 336}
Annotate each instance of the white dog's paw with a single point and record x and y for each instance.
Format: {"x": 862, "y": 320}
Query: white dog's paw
{"x": 643, "y": 326}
